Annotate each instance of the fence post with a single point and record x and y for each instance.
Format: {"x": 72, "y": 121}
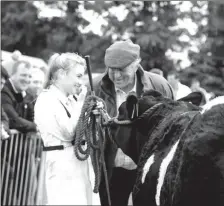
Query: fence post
{"x": 24, "y": 154}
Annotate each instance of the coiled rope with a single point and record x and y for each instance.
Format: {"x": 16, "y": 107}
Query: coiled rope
{"x": 89, "y": 138}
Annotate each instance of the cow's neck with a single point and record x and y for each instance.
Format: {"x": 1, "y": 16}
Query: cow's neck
{"x": 148, "y": 122}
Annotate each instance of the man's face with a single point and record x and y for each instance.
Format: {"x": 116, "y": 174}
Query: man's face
{"x": 21, "y": 79}
{"x": 2, "y": 82}
{"x": 73, "y": 79}
{"x": 122, "y": 77}
{"x": 37, "y": 82}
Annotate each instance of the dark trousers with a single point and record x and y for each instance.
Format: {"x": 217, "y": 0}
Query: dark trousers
{"x": 121, "y": 185}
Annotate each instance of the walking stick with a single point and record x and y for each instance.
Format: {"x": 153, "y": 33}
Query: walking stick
{"x": 87, "y": 58}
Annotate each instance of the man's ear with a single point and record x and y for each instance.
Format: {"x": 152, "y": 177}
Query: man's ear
{"x": 132, "y": 106}
{"x": 195, "y": 98}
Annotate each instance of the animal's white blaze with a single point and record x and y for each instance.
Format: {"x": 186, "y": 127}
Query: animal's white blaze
{"x": 210, "y": 104}
{"x": 146, "y": 167}
{"x": 162, "y": 171}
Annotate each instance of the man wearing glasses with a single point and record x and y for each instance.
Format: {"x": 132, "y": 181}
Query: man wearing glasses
{"x": 123, "y": 75}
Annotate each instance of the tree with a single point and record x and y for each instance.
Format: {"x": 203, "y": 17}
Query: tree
{"x": 19, "y": 26}
{"x": 24, "y": 30}
{"x": 207, "y": 65}
{"x": 152, "y": 25}
{"x": 149, "y": 24}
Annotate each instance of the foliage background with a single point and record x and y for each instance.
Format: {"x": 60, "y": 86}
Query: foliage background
{"x": 153, "y": 25}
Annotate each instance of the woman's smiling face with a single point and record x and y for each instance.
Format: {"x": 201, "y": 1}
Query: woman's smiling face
{"x": 73, "y": 79}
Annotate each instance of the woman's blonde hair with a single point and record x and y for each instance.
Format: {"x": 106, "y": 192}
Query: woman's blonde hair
{"x": 64, "y": 61}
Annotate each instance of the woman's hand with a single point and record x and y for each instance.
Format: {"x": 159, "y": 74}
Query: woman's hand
{"x": 99, "y": 106}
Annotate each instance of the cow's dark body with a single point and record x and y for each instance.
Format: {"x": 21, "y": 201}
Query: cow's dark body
{"x": 195, "y": 176}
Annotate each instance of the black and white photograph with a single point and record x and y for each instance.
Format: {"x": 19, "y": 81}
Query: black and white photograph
{"x": 112, "y": 103}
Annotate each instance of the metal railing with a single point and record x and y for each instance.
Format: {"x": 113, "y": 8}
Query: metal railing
{"x": 22, "y": 170}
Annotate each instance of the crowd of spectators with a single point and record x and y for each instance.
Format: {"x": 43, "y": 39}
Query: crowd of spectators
{"x": 181, "y": 90}
{"x": 21, "y": 84}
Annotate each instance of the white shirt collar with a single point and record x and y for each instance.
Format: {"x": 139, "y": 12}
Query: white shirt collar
{"x": 60, "y": 95}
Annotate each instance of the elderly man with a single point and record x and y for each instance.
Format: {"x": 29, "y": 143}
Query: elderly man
{"x": 123, "y": 75}
{"x": 13, "y": 94}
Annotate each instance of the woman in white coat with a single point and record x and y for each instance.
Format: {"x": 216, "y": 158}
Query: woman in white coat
{"x": 68, "y": 180}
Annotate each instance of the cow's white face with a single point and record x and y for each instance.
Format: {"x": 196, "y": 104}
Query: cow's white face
{"x": 212, "y": 103}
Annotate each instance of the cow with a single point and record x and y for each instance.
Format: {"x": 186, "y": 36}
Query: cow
{"x": 178, "y": 148}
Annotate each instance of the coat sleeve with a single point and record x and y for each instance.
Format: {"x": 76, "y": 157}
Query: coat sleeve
{"x": 161, "y": 85}
{"x": 15, "y": 121}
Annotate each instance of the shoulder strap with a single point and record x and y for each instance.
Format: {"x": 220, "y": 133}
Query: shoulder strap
{"x": 67, "y": 112}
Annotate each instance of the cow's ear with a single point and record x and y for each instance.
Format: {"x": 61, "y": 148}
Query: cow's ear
{"x": 195, "y": 98}
{"x": 132, "y": 106}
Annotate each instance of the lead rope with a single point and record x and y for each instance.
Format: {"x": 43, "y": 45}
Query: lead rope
{"x": 90, "y": 140}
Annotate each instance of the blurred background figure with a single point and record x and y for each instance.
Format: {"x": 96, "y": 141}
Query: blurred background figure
{"x": 9, "y": 63}
{"x": 4, "y": 76}
{"x": 180, "y": 90}
{"x": 37, "y": 83}
{"x": 196, "y": 87}
{"x": 13, "y": 94}
{"x": 5, "y": 132}
{"x": 5, "y": 135}
{"x": 157, "y": 71}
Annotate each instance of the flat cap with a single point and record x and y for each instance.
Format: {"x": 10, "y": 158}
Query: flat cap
{"x": 121, "y": 54}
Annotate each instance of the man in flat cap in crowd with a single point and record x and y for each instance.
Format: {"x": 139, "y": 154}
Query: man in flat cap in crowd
{"x": 123, "y": 75}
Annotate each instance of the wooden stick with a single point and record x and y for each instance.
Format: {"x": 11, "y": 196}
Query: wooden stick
{"x": 87, "y": 58}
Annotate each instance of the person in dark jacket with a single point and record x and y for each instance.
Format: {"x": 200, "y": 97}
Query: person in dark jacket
{"x": 5, "y": 135}
{"x": 123, "y": 75}
{"x": 4, "y": 118}
{"x": 13, "y": 93}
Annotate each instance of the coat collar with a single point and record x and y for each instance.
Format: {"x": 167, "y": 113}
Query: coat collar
{"x": 59, "y": 95}
{"x": 8, "y": 88}
{"x": 13, "y": 88}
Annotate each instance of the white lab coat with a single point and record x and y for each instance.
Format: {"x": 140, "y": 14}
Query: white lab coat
{"x": 68, "y": 180}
